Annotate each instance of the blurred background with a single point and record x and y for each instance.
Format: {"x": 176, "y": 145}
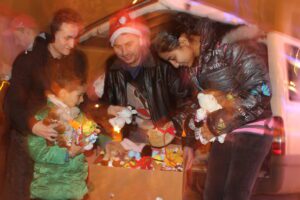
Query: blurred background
{"x": 280, "y": 15}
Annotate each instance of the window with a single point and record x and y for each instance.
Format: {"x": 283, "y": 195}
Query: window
{"x": 293, "y": 64}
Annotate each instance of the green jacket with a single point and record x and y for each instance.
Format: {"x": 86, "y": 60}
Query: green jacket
{"x": 55, "y": 175}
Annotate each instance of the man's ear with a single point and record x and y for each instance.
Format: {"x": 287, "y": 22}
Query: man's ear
{"x": 183, "y": 40}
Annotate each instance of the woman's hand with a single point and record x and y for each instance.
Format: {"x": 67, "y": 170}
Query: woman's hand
{"x": 45, "y": 131}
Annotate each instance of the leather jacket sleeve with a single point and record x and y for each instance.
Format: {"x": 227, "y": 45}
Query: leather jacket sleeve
{"x": 251, "y": 98}
{"x": 184, "y": 106}
{"x": 181, "y": 119}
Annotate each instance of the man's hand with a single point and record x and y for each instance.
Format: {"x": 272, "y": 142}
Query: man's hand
{"x": 188, "y": 157}
{"x": 113, "y": 110}
{"x": 45, "y": 131}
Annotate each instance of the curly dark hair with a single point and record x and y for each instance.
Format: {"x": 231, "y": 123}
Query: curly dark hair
{"x": 64, "y": 15}
{"x": 210, "y": 32}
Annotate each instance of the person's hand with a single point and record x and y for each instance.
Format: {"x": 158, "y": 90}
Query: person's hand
{"x": 113, "y": 110}
{"x": 188, "y": 157}
{"x": 45, "y": 131}
{"x": 205, "y": 132}
{"x": 75, "y": 150}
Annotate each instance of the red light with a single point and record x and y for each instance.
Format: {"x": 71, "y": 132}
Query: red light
{"x": 278, "y": 146}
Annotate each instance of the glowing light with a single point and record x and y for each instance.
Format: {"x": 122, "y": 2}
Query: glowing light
{"x": 117, "y": 129}
{"x": 134, "y": 1}
{"x": 292, "y": 87}
{"x": 294, "y": 61}
{"x": 3, "y": 84}
{"x": 117, "y": 136}
{"x": 96, "y": 105}
{"x": 292, "y": 84}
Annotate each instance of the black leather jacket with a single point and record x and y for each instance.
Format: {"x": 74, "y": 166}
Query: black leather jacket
{"x": 159, "y": 83}
{"x": 240, "y": 69}
{"x": 30, "y": 76}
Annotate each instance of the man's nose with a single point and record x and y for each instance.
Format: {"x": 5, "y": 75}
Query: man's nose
{"x": 124, "y": 51}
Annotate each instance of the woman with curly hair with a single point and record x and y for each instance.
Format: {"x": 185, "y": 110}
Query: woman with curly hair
{"x": 230, "y": 59}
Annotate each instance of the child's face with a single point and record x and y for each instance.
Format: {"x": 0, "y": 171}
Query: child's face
{"x": 182, "y": 56}
{"x": 72, "y": 97}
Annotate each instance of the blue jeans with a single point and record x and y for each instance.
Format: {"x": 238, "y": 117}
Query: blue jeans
{"x": 234, "y": 165}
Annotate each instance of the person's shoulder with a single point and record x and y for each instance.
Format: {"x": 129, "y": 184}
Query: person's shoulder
{"x": 38, "y": 46}
{"x": 21, "y": 61}
{"x": 250, "y": 46}
{"x": 40, "y": 43}
{"x": 243, "y": 37}
{"x": 38, "y": 49}
{"x": 242, "y": 33}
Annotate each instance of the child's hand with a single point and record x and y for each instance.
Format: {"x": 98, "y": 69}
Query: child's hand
{"x": 74, "y": 150}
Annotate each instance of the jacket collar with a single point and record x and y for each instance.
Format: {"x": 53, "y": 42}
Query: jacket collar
{"x": 245, "y": 32}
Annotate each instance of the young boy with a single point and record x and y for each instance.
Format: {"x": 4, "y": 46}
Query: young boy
{"x": 61, "y": 172}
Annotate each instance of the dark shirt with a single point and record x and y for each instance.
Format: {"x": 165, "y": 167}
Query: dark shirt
{"x": 134, "y": 71}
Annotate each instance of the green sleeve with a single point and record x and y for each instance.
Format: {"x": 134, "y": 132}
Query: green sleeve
{"x": 42, "y": 114}
{"x": 42, "y": 153}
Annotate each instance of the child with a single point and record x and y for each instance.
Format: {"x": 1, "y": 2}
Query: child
{"x": 235, "y": 63}
{"x": 61, "y": 172}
